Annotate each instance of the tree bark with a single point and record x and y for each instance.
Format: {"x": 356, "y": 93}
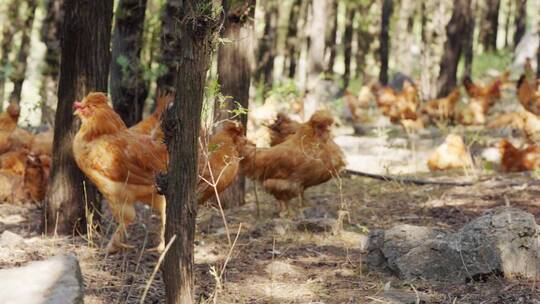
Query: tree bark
{"x": 19, "y": 73}
{"x": 316, "y": 63}
{"x": 490, "y": 25}
{"x": 404, "y": 37}
{"x": 507, "y": 24}
{"x": 538, "y": 53}
{"x": 469, "y": 39}
{"x": 331, "y": 34}
{"x": 387, "y": 9}
{"x": 347, "y": 43}
{"x": 267, "y": 45}
{"x": 234, "y": 76}
{"x": 454, "y": 46}
{"x": 50, "y": 35}
{"x": 520, "y": 20}
{"x": 292, "y": 45}
{"x": 363, "y": 38}
{"x": 11, "y": 25}
{"x": 191, "y": 26}
{"x": 84, "y": 67}
{"x": 128, "y": 87}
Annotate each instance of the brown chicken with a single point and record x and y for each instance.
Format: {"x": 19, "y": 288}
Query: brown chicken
{"x": 42, "y": 143}
{"x": 486, "y": 96}
{"x": 452, "y": 154}
{"x": 282, "y": 128}
{"x": 306, "y": 159}
{"x": 527, "y": 95}
{"x": 222, "y": 155}
{"x": 397, "y": 105}
{"x": 36, "y": 175}
{"x": 120, "y": 162}
{"x": 524, "y": 121}
{"x": 8, "y": 124}
{"x": 516, "y": 160}
{"x": 472, "y": 114}
{"x": 442, "y": 108}
{"x": 151, "y": 124}
{"x": 14, "y": 161}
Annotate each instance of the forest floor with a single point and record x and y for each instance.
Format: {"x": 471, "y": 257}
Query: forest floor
{"x": 285, "y": 260}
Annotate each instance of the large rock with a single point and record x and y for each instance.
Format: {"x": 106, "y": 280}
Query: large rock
{"x": 503, "y": 241}
{"x": 57, "y": 280}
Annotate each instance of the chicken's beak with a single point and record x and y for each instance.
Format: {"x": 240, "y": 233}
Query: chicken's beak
{"x": 77, "y": 106}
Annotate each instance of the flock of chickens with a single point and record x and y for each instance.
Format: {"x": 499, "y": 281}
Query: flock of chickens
{"x": 123, "y": 162}
{"x": 404, "y": 107}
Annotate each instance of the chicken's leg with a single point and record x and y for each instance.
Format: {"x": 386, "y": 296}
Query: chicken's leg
{"x": 124, "y": 214}
{"x": 160, "y": 206}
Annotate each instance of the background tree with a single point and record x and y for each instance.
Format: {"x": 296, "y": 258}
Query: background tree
{"x": 331, "y": 34}
{"x": 404, "y": 37}
{"x": 190, "y": 26}
{"x": 84, "y": 68}
{"x": 347, "y": 42}
{"x": 19, "y": 72}
{"x": 10, "y": 28}
{"x": 489, "y": 25}
{"x": 468, "y": 51}
{"x": 268, "y": 43}
{"x": 128, "y": 86}
{"x": 520, "y": 20}
{"x": 50, "y": 35}
{"x": 292, "y": 45}
{"x": 363, "y": 38}
{"x": 386, "y": 14}
{"x": 454, "y": 46}
{"x": 234, "y": 75}
{"x": 316, "y": 63}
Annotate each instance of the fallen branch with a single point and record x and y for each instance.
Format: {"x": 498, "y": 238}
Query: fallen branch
{"x": 404, "y": 180}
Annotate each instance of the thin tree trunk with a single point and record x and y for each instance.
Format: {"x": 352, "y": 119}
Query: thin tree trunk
{"x": 469, "y": 39}
{"x": 363, "y": 38}
{"x": 50, "y": 35}
{"x": 84, "y": 68}
{"x": 267, "y": 46}
{"x": 520, "y": 20}
{"x": 402, "y": 42}
{"x": 128, "y": 87}
{"x": 331, "y": 34}
{"x": 507, "y": 24}
{"x": 19, "y": 73}
{"x": 347, "y": 43}
{"x": 538, "y": 53}
{"x": 316, "y": 64}
{"x": 454, "y": 46}
{"x": 490, "y": 25}
{"x": 292, "y": 45}
{"x": 386, "y": 14}
{"x": 192, "y": 25}
{"x": 234, "y": 76}
{"x": 11, "y": 25}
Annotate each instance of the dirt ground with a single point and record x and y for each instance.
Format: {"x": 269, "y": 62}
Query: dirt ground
{"x": 278, "y": 260}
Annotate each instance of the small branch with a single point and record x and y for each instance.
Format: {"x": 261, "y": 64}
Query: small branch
{"x": 403, "y": 180}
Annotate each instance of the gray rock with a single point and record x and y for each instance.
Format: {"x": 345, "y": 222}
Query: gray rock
{"x": 317, "y": 225}
{"x": 57, "y": 280}
{"x": 503, "y": 241}
{"x": 11, "y": 240}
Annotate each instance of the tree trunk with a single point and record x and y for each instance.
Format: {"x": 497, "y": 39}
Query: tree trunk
{"x": 234, "y": 76}
{"x": 19, "y": 73}
{"x": 538, "y": 53}
{"x": 315, "y": 64}
{"x": 456, "y": 30}
{"x": 490, "y": 25}
{"x": 469, "y": 39}
{"x": 402, "y": 42}
{"x": 11, "y": 25}
{"x": 363, "y": 39}
{"x": 520, "y": 20}
{"x": 292, "y": 45}
{"x": 50, "y": 35}
{"x": 331, "y": 34}
{"x": 387, "y": 9}
{"x": 128, "y": 87}
{"x": 267, "y": 45}
{"x": 191, "y": 26}
{"x": 84, "y": 67}
{"x": 507, "y": 24}
{"x": 347, "y": 43}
